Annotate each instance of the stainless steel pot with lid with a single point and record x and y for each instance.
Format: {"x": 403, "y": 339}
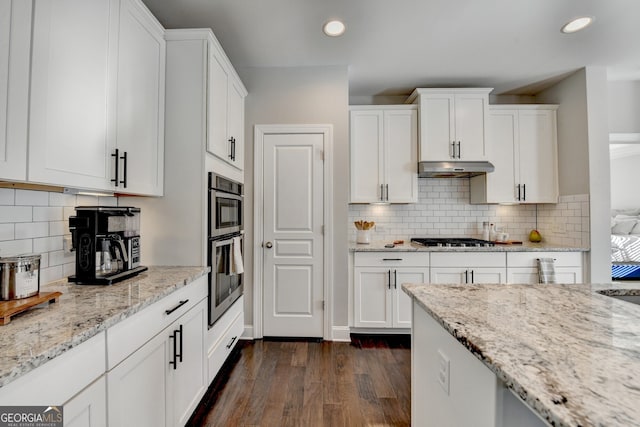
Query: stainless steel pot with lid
{"x": 19, "y": 276}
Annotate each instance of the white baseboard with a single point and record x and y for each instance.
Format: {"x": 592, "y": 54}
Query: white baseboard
{"x": 248, "y": 333}
{"x": 382, "y": 331}
{"x": 341, "y": 333}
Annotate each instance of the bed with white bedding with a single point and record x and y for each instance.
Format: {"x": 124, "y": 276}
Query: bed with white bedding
{"x": 625, "y": 244}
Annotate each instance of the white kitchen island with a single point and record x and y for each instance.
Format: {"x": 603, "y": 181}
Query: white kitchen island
{"x": 524, "y": 355}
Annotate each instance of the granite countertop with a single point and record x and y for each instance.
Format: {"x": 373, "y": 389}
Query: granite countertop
{"x": 571, "y": 353}
{"x": 42, "y": 333}
{"x": 378, "y": 246}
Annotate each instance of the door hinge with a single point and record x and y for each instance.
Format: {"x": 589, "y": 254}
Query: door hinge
{"x": 323, "y": 304}
{"x": 322, "y": 230}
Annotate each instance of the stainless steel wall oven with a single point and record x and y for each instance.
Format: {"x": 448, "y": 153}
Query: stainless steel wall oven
{"x": 226, "y": 245}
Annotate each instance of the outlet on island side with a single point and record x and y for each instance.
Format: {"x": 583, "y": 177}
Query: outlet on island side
{"x": 443, "y": 371}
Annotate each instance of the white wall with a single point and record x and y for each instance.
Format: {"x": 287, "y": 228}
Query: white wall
{"x": 583, "y": 154}
{"x": 625, "y": 176}
{"x": 573, "y": 153}
{"x": 304, "y": 95}
{"x": 624, "y": 106}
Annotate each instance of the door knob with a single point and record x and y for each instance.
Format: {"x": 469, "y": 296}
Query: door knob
{"x": 268, "y": 245}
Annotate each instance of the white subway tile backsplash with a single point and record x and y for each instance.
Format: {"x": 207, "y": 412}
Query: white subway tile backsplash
{"x": 58, "y": 228}
{"x": 61, "y": 199}
{"x": 82, "y": 200}
{"x": 29, "y": 230}
{"x": 444, "y": 209}
{"x": 47, "y": 213}
{"x": 7, "y": 231}
{"x": 32, "y": 198}
{"x": 7, "y": 196}
{"x": 51, "y": 274}
{"x": 16, "y": 214}
{"x": 16, "y": 247}
{"x": 60, "y": 258}
{"x": 47, "y": 244}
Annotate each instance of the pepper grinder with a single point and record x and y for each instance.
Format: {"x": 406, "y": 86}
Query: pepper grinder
{"x": 492, "y": 232}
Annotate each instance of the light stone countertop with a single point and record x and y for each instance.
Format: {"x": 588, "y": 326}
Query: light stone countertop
{"x": 46, "y": 331}
{"x": 571, "y": 353}
{"x": 378, "y": 246}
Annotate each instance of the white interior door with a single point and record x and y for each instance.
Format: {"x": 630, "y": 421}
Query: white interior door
{"x": 293, "y": 260}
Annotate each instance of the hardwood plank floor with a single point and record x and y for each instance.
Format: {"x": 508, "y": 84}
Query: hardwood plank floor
{"x": 300, "y": 383}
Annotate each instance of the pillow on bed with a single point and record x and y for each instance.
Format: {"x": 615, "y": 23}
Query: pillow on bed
{"x": 632, "y": 212}
{"x": 623, "y": 226}
{"x": 621, "y": 217}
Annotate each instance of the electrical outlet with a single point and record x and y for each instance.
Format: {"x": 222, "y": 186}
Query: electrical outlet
{"x": 443, "y": 371}
{"x": 66, "y": 244}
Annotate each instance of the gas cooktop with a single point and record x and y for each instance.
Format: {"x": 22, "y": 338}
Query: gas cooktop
{"x": 451, "y": 242}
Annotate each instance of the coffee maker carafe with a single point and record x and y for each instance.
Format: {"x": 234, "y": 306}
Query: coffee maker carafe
{"x": 107, "y": 244}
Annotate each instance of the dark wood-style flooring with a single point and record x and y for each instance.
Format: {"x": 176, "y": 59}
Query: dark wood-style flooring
{"x": 300, "y": 383}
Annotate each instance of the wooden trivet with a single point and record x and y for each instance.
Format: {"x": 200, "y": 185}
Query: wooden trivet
{"x": 11, "y": 308}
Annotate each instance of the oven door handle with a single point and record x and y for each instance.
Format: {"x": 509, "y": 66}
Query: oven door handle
{"x": 226, "y": 242}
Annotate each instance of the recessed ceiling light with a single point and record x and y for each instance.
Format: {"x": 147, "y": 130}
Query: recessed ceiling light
{"x": 577, "y": 24}
{"x": 334, "y": 28}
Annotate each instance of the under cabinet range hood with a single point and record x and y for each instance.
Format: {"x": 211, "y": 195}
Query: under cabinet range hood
{"x": 453, "y": 169}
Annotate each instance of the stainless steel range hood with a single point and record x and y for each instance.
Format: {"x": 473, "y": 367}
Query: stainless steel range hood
{"x": 453, "y": 169}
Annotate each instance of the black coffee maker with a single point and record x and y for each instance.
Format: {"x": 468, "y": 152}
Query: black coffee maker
{"x": 107, "y": 244}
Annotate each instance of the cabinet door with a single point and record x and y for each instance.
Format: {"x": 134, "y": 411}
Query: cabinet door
{"x": 401, "y": 301}
{"x": 140, "y": 99}
{"x": 366, "y": 156}
{"x": 15, "y": 39}
{"x": 528, "y": 275}
{"x": 89, "y": 407}
{"x": 189, "y": 375}
{"x": 372, "y": 297}
{"x": 470, "y": 113}
{"x": 537, "y": 156}
{"x": 467, "y": 275}
{"x": 236, "y": 123}
{"x": 137, "y": 387}
{"x": 401, "y": 155}
{"x": 437, "y": 131}
{"x": 217, "y": 143}
{"x": 487, "y": 275}
{"x": 503, "y": 134}
{"x": 72, "y": 92}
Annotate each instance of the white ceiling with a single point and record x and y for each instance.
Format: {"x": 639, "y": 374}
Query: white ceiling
{"x": 394, "y": 46}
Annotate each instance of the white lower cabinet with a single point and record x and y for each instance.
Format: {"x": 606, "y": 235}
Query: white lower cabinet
{"x": 468, "y": 268}
{"x": 74, "y": 380}
{"x": 89, "y": 407}
{"x": 162, "y": 382}
{"x": 522, "y": 267}
{"x": 223, "y": 336}
{"x": 379, "y": 301}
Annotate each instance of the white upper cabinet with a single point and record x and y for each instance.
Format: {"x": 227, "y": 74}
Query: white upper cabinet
{"x": 225, "y": 109}
{"x": 74, "y": 54}
{"x": 15, "y": 39}
{"x": 140, "y": 100}
{"x": 452, "y": 123}
{"x": 523, "y": 149}
{"x": 97, "y": 86}
{"x": 384, "y": 154}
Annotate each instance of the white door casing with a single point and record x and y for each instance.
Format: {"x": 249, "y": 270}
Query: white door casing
{"x": 292, "y": 206}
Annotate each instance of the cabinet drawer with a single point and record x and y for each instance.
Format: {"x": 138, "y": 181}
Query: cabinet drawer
{"x": 127, "y": 336}
{"x": 222, "y": 348}
{"x": 529, "y": 259}
{"x": 395, "y": 259}
{"x": 468, "y": 259}
{"x": 58, "y": 380}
